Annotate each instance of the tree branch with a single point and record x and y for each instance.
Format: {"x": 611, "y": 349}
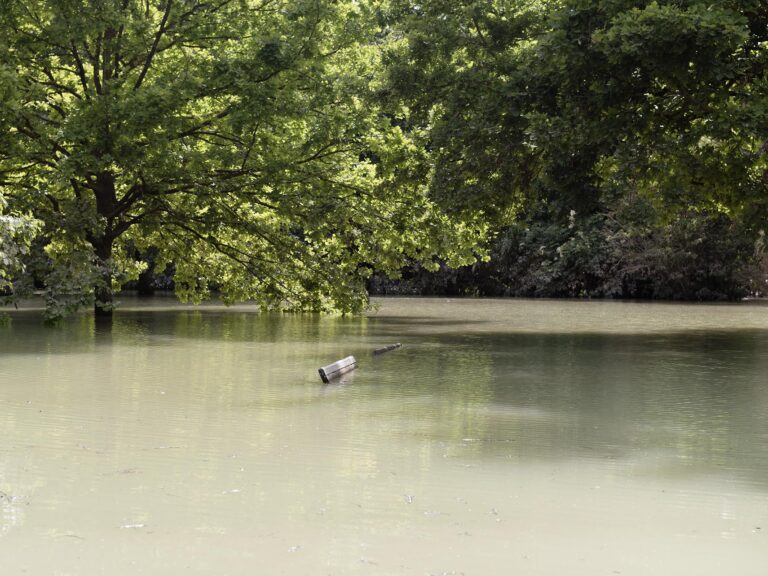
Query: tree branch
{"x": 96, "y": 66}
{"x": 153, "y": 49}
{"x": 80, "y": 71}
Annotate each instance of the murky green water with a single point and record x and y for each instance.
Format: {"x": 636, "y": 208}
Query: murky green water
{"x": 505, "y": 437}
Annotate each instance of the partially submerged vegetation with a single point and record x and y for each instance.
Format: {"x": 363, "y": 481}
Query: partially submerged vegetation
{"x": 619, "y": 148}
{"x": 294, "y": 152}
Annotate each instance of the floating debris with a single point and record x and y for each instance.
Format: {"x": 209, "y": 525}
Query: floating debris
{"x": 389, "y": 348}
{"x": 338, "y": 368}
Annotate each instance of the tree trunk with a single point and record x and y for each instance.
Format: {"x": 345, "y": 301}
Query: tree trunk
{"x": 103, "y": 302}
{"x": 106, "y": 202}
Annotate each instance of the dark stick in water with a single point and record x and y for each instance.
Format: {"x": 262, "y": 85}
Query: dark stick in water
{"x": 386, "y": 349}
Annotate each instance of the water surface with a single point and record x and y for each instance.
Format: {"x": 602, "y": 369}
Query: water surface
{"x": 504, "y": 437}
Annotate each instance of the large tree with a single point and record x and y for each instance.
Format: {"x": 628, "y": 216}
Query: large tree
{"x": 563, "y": 100}
{"x": 233, "y": 137}
{"x": 590, "y": 116}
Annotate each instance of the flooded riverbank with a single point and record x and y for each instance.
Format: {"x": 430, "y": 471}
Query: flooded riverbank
{"x": 533, "y": 437}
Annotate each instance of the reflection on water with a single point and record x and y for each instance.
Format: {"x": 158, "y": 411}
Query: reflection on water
{"x": 580, "y": 437}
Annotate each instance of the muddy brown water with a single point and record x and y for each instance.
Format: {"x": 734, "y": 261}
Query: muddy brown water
{"x": 504, "y": 437}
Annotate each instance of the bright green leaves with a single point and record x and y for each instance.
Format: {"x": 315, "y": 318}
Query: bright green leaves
{"x": 16, "y": 235}
{"x": 239, "y": 141}
{"x": 461, "y": 70}
{"x": 70, "y": 272}
{"x": 282, "y": 151}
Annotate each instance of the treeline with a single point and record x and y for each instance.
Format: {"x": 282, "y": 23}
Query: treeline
{"x": 698, "y": 257}
{"x": 300, "y": 152}
{"x": 624, "y": 144}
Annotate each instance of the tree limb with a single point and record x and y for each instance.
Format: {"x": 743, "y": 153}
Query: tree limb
{"x": 153, "y": 49}
{"x": 80, "y": 71}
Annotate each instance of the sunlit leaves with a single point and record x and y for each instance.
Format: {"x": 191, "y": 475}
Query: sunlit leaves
{"x": 240, "y": 140}
{"x": 16, "y": 235}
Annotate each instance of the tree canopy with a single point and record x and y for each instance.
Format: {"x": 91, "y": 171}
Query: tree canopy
{"x": 562, "y": 100}
{"x": 283, "y": 151}
{"x": 236, "y": 138}
{"x": 590, "y": 125}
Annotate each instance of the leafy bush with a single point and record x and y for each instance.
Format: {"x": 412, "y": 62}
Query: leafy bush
{"x": 629, "y": 253}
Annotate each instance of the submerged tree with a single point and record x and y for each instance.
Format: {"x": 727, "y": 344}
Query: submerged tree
{"x": 575, "y": 113}
{"x": 16, "y": 235}
{"x": 234, "y": 137}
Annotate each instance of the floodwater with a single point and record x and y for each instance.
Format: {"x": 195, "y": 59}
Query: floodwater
{"x": 504, "y": 437}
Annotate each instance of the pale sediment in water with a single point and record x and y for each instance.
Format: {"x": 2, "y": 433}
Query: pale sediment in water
{"x": 510, "y": 436}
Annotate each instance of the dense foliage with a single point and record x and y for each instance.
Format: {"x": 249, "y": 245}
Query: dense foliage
{"x": 619, "y": 146}
{"x": 697, "y": 256}
{"x": 284, "y": 151}
{"x": 16, "y": 235}
{"x": 235, "y": 139}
